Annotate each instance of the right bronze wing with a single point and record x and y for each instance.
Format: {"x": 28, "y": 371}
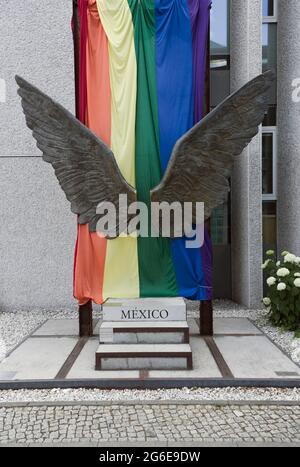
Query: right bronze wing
{"x": 84, "y": 166}
{"x": 202, "y": 159}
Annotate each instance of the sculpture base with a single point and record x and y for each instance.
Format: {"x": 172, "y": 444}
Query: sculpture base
{"x": 144, "y": 334}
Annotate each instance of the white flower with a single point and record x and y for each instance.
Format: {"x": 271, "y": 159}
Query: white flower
{"x": 284, "y": 253}
{"x": 297, "y": 274}
{"x": 266, "y": 301}
{"x": 270, "y": 253}
{"x": 283, "y": 272}
{"x": 271, "y": 281}
{"x": 281, "y": 286}
{"x": 263, "y": 266}
{"x": 297, "y": 282}
{"x": 289, "y": 258}
{"x": 278, "y": 264}
{"x": 297, "y": 260}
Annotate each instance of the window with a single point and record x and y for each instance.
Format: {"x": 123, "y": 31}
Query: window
{"x": 219, "y": 226}
{"x": 219, "y": 34}
{"x": 220, "y": 89}
{"x": 220, "y": 51}
{"x": 269, "y": 163}
{"x": 269, "y": 11}
{"x": 269, "y": 134}
{"x": 269, "y": 226}
{"x": 269, "y": 231}
{"x": 219, "y": 28}
{"x": 269, "y": 40}
{"x": 271, "y": 116}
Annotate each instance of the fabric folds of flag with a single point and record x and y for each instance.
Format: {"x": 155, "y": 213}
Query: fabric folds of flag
{"x": 142, "y": 66}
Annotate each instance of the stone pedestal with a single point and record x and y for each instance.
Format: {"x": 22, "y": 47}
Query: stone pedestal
{"x": 144, "y": 334}
{"x": 145, "y": 310}
{"x": 246, "y": 181}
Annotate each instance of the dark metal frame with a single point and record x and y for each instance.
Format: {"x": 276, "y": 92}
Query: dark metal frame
{"x": 156, "y": 383}
{"x": 187, "y": 355}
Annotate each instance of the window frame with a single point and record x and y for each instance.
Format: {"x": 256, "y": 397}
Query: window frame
{"x": 272, "y": 130}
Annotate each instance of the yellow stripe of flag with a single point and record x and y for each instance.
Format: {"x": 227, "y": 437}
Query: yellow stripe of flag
{"x": 121, "y": 276}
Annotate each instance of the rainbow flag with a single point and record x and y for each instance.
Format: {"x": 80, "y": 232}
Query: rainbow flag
{"x": 141, "y": 82}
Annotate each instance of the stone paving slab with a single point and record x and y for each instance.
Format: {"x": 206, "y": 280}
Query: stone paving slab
{"x": 235, "y": 326}
{"x": 60, "y": 327}
{"x": 38, "y": 358}
{"x": 256, "y": 357}
{"x": 169, "y": 424}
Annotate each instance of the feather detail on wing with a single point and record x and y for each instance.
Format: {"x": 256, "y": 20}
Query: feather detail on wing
{"x": 84, "y": 166}
{"x": 202, "y": 160}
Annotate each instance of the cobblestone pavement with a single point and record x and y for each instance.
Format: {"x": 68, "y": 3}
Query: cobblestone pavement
{"x": 156, "y": 423}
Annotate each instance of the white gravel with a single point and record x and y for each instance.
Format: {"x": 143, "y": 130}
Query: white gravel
{"x": 171, "y": 395}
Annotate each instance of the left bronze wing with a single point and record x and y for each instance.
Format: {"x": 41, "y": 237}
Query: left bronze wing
{"x": 202, "y": 160}
{"x": 85, "y": 167}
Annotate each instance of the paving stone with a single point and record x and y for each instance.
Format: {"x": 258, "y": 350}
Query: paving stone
{"x": 204, "y": 423}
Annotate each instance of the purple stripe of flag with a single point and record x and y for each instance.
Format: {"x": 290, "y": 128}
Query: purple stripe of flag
{"x": 200, "y": 15}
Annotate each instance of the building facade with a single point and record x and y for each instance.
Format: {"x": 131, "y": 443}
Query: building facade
{"x": 38, "y": 232}
{"x": 263, "y": 211}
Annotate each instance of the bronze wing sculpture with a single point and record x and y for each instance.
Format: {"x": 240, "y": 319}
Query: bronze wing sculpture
{"x": 199, "y": 168}
{"x": 84, "y": 166}
{"x": 202, "y": 160}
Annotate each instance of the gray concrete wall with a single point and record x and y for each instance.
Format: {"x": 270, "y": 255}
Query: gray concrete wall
{"x": 38, "y": 232}
{"x": 288, "y": 126}
{"x": 246, "y": 63}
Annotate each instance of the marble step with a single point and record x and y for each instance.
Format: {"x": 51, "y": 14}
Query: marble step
{"x": 144, "y": 357}
{"x": 119, "y": 332}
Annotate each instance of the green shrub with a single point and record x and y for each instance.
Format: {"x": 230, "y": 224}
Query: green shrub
{"x": 283, "y": 298}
